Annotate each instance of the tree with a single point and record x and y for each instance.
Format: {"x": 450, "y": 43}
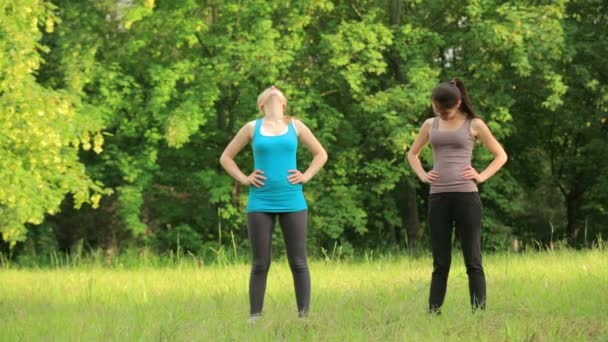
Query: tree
{"x": 563, "y": 136}
{"x": 41, "y": 129}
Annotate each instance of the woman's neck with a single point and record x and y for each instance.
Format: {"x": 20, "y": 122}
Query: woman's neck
{"x": 457, "y": 116}
{"x": 273, "y": 117}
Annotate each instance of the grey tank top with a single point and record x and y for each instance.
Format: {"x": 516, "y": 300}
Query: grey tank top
{"x": 452, "y": 152}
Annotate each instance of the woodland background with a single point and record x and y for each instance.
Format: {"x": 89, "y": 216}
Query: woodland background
{"x": 113, "y": 115}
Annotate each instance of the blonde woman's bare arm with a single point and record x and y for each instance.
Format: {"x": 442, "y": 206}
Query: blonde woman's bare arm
{"x": 240, "y": 140}
{"x": 319, "y": 155}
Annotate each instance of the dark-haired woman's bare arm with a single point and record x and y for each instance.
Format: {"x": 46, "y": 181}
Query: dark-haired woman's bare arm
{"x": 413, "y": 155}
{"x": 483, "y": 133}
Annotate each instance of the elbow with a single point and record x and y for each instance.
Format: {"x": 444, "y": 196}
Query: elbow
{"x": 324, "y": 156}
{"x": 321, "y": 157}
{"x": 411, "y": 156}
{"x": 504, "y": 158}
{"x": 223, "y": 160}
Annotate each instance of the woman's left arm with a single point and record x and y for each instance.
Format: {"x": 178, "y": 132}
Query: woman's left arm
{"x": 483, "y": 133}
{"x": 319, "y": 155}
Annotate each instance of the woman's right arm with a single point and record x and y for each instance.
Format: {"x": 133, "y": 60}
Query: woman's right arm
{"x": 242, "y": 138}
{"x": 413, "y": 156}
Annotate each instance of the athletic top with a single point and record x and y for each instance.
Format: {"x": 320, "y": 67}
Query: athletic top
{"x": 452, "y": 152}
{"x": 275, "y": 155}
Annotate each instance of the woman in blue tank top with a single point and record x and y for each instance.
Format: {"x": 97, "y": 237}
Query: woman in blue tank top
{"x": 275, "y": 190}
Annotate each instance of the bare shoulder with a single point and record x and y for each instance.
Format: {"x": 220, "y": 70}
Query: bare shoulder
{"x": 427, "y": 124}
{"x": 248, "y": 128}
{"x": 478, "y": 126}
{"x": 300, "y": 126}
{"x": 478, "y": 122}
{"x": 299, "y": 123}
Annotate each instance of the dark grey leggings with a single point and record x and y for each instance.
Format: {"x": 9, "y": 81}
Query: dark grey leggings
{"x": 294, "y": 228}
{"x": 463, "y": 210}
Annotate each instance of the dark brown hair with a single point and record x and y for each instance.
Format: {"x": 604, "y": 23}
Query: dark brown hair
{"x": 447, "y": 94}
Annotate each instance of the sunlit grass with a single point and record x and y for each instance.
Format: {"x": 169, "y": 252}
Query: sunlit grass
{"x": 538, "y": 296}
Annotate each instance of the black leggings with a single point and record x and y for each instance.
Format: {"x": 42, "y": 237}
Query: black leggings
{"x": 294, "y": 227}
{"x": 465, "y": 210}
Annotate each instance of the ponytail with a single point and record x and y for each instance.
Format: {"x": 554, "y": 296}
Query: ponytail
{"x": 465, "y": 104}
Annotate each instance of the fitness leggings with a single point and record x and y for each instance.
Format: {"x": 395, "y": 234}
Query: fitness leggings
{"x": 294, "y": 227}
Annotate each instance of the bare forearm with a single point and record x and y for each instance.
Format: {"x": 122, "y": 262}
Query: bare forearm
{"x": 494, "y": 166}
{"x": 233, "y": 170}
{"x": 317, "y": 163}
{"x": 416, "y": 164}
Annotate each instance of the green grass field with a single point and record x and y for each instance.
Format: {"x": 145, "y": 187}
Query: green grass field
{"x": 551, "y": 296}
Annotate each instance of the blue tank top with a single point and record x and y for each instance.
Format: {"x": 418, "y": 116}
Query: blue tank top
{"x": 275, "y": 155}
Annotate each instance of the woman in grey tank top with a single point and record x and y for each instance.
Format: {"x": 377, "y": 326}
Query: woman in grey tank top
{"x": 454, "y": 198}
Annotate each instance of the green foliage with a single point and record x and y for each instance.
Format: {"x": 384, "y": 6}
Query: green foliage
{"x": 142, "y": 97}
{"x": 41, "y": 129}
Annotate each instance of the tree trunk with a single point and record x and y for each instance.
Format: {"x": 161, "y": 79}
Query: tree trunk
{"x": 394, "y": 12}
{"x": 409, "y": 212}
{"x": 573, "y": 226}
{"x": 406, "y": 190}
